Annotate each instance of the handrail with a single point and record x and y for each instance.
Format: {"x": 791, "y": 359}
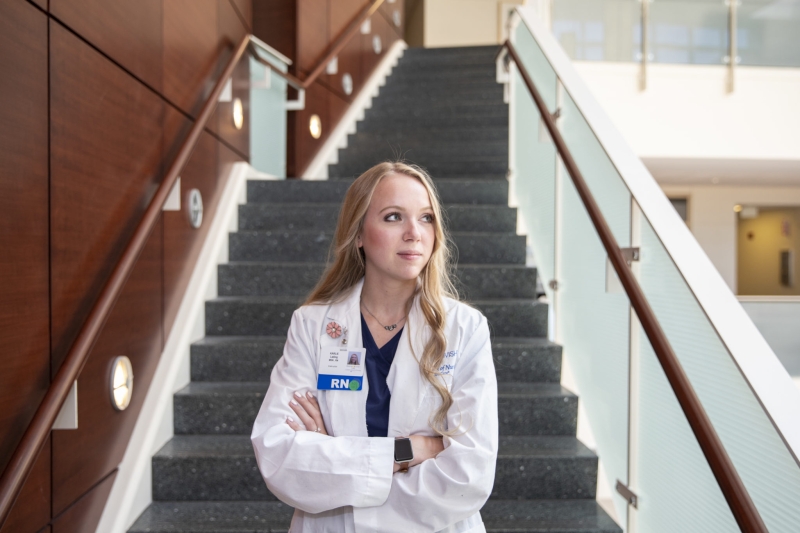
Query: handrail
{"x": 739, "y": 501}
{"x": 28, "y": 449}
{"x": 333, "y": 50}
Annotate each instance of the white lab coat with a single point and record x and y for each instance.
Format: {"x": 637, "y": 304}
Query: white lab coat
{"x": 343, "y": 482}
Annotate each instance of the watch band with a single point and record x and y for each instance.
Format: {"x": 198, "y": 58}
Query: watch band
{"x": 403, "y": 467}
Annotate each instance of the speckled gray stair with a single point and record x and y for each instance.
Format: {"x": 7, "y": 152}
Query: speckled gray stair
{"x": 217, "y": 408}
{"x": 315, "y": 216}
{"x": 452, "y": 191}
{"x": 440, "y": 168}
{"x": 271, "y": 315}
{"x": 474, "y": 282}
{"x": 441, "y": 109}
{"x": 426, "y": 150}
{"x": 296, "y": 245}
{"x": 223, "y": 467}
{"x": 499, "y": 516}
{"x": 246, "y": 358}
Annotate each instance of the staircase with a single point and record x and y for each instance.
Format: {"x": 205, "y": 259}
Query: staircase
{"x": 441, "y": 109}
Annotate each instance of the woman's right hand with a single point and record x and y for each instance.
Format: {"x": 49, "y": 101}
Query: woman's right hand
{"x": 424, "y": 448}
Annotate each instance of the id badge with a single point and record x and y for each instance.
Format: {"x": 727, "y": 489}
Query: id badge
{"x": 341, "y": 369}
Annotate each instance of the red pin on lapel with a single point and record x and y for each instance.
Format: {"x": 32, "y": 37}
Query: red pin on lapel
{"x": 334, "y": 330}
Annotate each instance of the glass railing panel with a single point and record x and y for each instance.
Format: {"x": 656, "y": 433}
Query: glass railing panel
{"x": 688, "y": 31}
{"x": 593, "y": 326}
{"x": 536, "y": 64}
{"x": 598, "y": 30}
{"x": 767, "y": 33}
{"x": 765, "y": 465}
{"x": 268, "y": 93}
{"x": 532, "y": 183}
{"x": 676, "y": 488}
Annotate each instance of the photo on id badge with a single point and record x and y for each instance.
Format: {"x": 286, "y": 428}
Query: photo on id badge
{"x": 352, "y": 359}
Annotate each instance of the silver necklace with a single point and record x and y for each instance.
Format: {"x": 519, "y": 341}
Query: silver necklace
{"x": 387, "y": 328}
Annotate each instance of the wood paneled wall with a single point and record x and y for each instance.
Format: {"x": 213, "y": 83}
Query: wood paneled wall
{"x": 303, "y": 30}
{"x": 97, "y": 99}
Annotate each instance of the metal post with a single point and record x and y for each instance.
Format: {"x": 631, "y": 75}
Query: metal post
{"x": 645, "y": 43}
{"x": 733, "y": 58}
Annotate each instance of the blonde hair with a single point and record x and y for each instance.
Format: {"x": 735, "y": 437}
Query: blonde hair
{"x": 347, "y": 267}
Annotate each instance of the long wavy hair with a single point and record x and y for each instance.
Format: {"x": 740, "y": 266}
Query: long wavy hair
{"x": 347, "y": 266}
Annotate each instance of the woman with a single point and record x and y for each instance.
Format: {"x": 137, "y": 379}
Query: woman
{"x": 335, "y": 446}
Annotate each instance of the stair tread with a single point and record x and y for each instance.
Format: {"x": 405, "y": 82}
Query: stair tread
{"x": 499, "y": 516}
{"x": 185, "y": 446}
{"x": 197, "y": 388}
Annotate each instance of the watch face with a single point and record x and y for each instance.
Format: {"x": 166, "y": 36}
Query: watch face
{"x": 402, "y": 450}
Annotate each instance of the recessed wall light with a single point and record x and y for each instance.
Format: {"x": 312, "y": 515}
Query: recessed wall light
{"x": 377, "y": 45}
{"x": 737, "y": 208}
{"x": 238, "y": 113}
{"x": 347, "y": 84}
{"x": 315, "y": 126}
{"x": 121, "y": 383}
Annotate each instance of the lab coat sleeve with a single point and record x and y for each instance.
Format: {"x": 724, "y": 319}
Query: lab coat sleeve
{"x": 455, "y": 485}
{"x": 353, "y": 471}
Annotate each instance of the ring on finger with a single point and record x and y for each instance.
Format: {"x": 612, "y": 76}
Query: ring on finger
{"x": 317, "y": 430}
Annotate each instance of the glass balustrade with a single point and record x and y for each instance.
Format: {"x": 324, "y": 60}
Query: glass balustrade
{"x": 680, "y": 31}
{"x": 268, "y": 94}
{"x": 643, "y": 437}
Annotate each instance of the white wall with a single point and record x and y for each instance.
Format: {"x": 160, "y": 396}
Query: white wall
{"x": 687, "y": 115}
{"x": 464, "y": 22}
{"x": 713, "y": 221}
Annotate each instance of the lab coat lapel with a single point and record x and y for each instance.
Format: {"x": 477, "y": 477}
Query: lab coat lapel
{"x": 405, "y": 381}
{"x": 348, "y": 409}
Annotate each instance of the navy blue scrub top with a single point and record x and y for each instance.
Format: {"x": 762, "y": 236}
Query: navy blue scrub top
{"x": 378, "y": 362}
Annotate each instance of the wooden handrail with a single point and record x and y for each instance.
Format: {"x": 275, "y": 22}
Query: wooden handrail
{"x": 739, "y": 501}
{"x": 333, "y": 50}
{"x": 35, "y": 435}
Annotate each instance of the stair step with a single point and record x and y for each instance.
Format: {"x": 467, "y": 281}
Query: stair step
{"x": 547, "y": 516}
{"x": 438, "y": 110}
{"x": 454, "y": 92}
{"x": 372, "y": 123}
{"x": 376, "y": 150}
{"x": 449, "y": 136}
{"x": 223, "y": 467}
{"x": 499, "y": 516}
{"x": 536, "y": 409}
{"x": 271, "y": 315}
{"x": 480, "y": 192}
{"x": 293, "y": 245}
{"x": 298, "y": 279}
{"x": 436, "y": 167}
{"x": 458, "y": 218}
{"x": 220, "y": 408}
{"x": 251, "y": 358}
{"x": 462, "y": 73}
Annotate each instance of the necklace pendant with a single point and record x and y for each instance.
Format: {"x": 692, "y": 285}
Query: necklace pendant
{"x": 390, "y": 328}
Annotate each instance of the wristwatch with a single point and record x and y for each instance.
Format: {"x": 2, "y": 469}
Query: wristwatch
{"x": 403, "y": 452}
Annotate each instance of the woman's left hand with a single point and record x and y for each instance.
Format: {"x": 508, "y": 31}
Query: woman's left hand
{"x": 307, "y": 410}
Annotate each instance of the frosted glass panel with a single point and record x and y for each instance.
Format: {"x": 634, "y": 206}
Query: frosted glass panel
{"x": 267, "y": 120}
{"x": 534, "y": 161}
{"x": 676, "y": 489}
{"x": 689, "y": 31}
{"x": 769, "y": 472}
{"x": 593, "y": 327}
{"x": 598, "y": 30}
{"x": 605, "y": 183}
{"x": 767, "y": 33}
{"x": 536, "y": 64}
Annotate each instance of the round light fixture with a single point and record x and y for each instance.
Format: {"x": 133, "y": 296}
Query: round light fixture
{"x": 195, "y": 208}
{"x": 238, "y": 113}
{"x": 737, "y": 208}
{"x": 121, "y": 383}
{"x": 396, "y": 18}
{"x": 347, "y": 84}
{"x": 377, "y": 46}
{"x": 315, "y": 126}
